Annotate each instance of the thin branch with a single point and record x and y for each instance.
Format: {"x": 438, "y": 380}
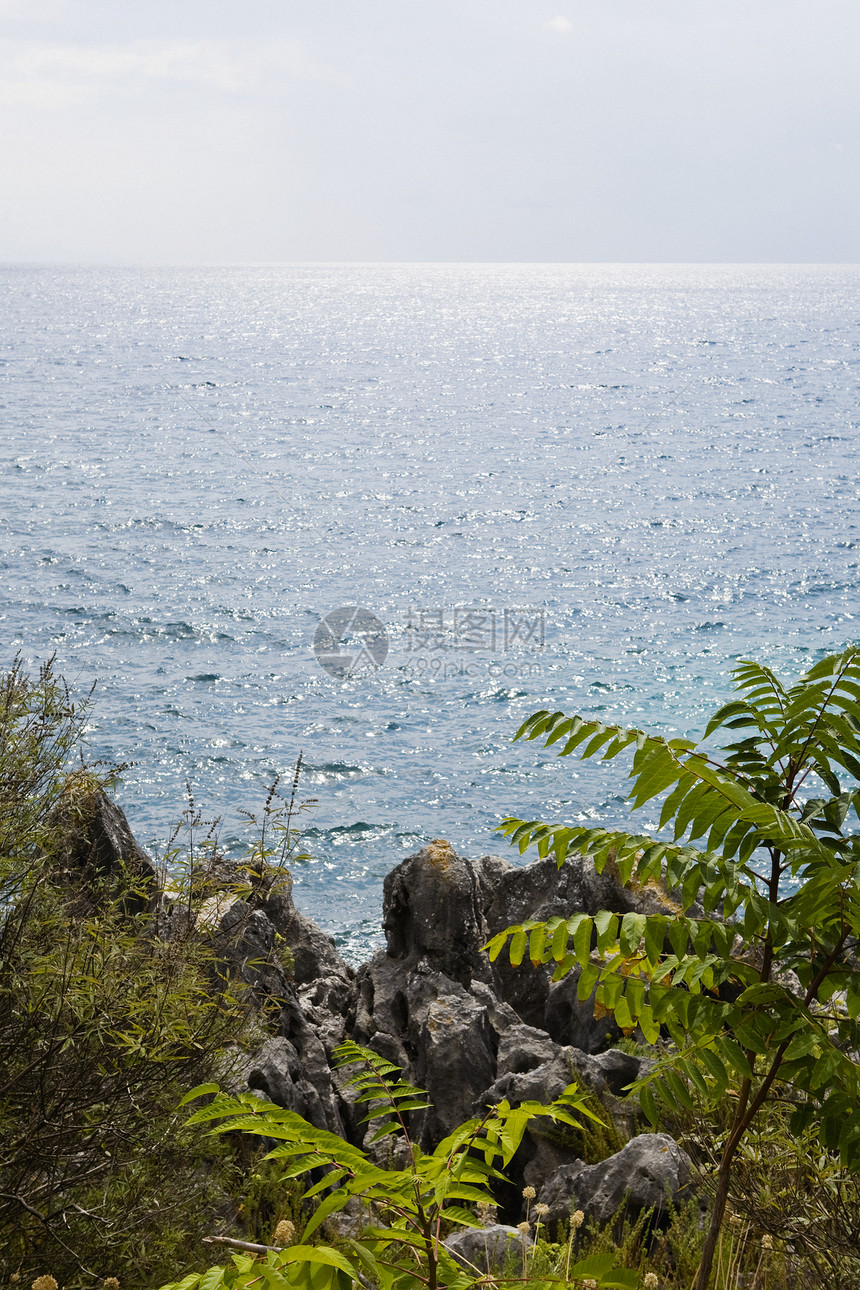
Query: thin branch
{"x": 249, "y": 1246}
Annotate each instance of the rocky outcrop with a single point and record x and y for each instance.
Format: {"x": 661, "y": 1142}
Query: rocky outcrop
{"x": 442, "y": 1035}
{"x": 439, "y": 911}
{"x": 470, "y": 1032}
{"x": 650, "y": 1172}
{"x": 308, "y": 1000}
{"x": 489, "y": 1249}
{"x": 474, "y": 1033}
{"x": 100, "y": 846}
{"x": 324, "y": 983}
{"x": 434, "y": 908}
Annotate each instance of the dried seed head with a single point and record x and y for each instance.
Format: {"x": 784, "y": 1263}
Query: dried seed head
{"x": 767, "y": 1242}
{"x": 45, "y": 1282}
{"x": 525, "y": 1228}
{"x": 487, "y": 1214}
{"x": 577, "y": 1218}
{"x": 589, "y": 1284}
{"x": 736, "y": 1220}
{"x": 111, "y": 1283}
{"x": 284, "y": 1232}
{"x": 529, "y": 1193}
{"x": 650, "y": 1281}
{"x": 541, "y": 1210}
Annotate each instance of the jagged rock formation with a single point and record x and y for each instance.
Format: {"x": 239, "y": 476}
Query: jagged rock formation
{"x": 470, "y": 1032}
{"x": 488, "y": 1249}
{"x": 100, "y": 846}
{"x": 648, "y": 1173}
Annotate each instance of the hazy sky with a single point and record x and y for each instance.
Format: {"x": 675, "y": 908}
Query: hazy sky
{"x": 248, "y": 130}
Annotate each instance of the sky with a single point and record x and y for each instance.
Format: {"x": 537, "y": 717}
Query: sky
{"x": 200, "y": 131}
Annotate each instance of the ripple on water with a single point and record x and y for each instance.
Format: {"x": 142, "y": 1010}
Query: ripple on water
{"x": 656, "y": 462}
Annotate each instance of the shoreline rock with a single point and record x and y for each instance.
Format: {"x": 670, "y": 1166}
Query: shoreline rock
{"x": 468, "y": 1031}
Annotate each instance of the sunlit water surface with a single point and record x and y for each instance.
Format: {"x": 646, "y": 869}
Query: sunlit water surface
{"x": 591, "y": 488}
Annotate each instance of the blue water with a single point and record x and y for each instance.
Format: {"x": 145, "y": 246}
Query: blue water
{"x": 640, "y": 473}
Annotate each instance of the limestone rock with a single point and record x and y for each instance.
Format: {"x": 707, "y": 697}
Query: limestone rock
{"x": 649, "y": 1171}
{"x": 101, "y": 846}
{"x": 487, "y": 1248}
{"x": 293, "y": 1079}
{"x": 436, "y": 1030}
{"x": 325, "y": 983}
{"x": 433, "y": 909}
{"x": 619, "y": 1069}
{"x": 441, "y": 909}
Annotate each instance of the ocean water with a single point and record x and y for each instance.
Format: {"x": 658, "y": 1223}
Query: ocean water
{"x": 582, "y": 487}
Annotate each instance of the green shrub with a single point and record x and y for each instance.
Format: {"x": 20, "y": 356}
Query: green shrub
{"x": 103, "y": 1024}
{"x": 760, "y": 992}
{"x": 407, "y": 1209}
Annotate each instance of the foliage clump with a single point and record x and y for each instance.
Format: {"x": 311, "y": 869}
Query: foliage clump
{"x": 759, "y": 986}
{"x": 406, "y": 1209}
{"x": 103, "y": 1024}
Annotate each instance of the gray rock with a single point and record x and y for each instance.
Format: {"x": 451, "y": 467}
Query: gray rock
{"x": 619, "y": 1069}
{"x": 433, "y": 909}
{"x": 469, "y": 1032}
{"x": 455, "y": 1061}
{"x": 545, "y": 1159}
{"x": 315, "y": 955}
{"x": 532, "y": 1067}
{"x": 436, "y": 1030}
{"x": 325, "y": 983}
{"x": 294, "y": 1074}
{"x": 245, "y": 942}
{"x": 101, "y": 847}
{"x": 524, "y": 1048}
{"x": 647, "y": 1172}
{"x": 488, "y": 1249}
{"x": 541, "y": 890}
{"x": 293, "y": 1069}
{"x": 543, "y": 1083}
{"x": 557, "y": 1190}
{"x": 440, "y": 909}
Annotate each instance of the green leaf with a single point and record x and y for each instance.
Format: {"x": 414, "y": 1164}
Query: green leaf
{"x": 648, "y": 1104}
{"x": 537, "y": 940}
{"x": 588, "y": 978}
{"x": 734, "y": 1055}
{"x": 332, "y": 1204}
{"x": 580, "y": 926}
{"x": 211, "y": 1279}
{"x": 633, "y": 927}
{"x": 518, "y": 946}
{"x": 655, "y": 936}
{"x": 622, "y": 1014}
{"x": 200, "y": 1091}
{"x": 606, "y": 926}
{"x": 323, "y": 1254}
{"x": 715, "y": 1068}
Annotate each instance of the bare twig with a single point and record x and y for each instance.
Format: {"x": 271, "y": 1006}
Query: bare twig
{"x": 241, "y": 1245}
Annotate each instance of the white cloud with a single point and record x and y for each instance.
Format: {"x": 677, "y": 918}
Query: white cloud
{"x": 206, "y": 63}
{"x": 36, "y": 92}
{"x": 561, "y": 24}
{"x": 51, "y": 76}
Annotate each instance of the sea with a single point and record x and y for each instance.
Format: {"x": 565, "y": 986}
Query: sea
{"x": 374, "y": 515}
